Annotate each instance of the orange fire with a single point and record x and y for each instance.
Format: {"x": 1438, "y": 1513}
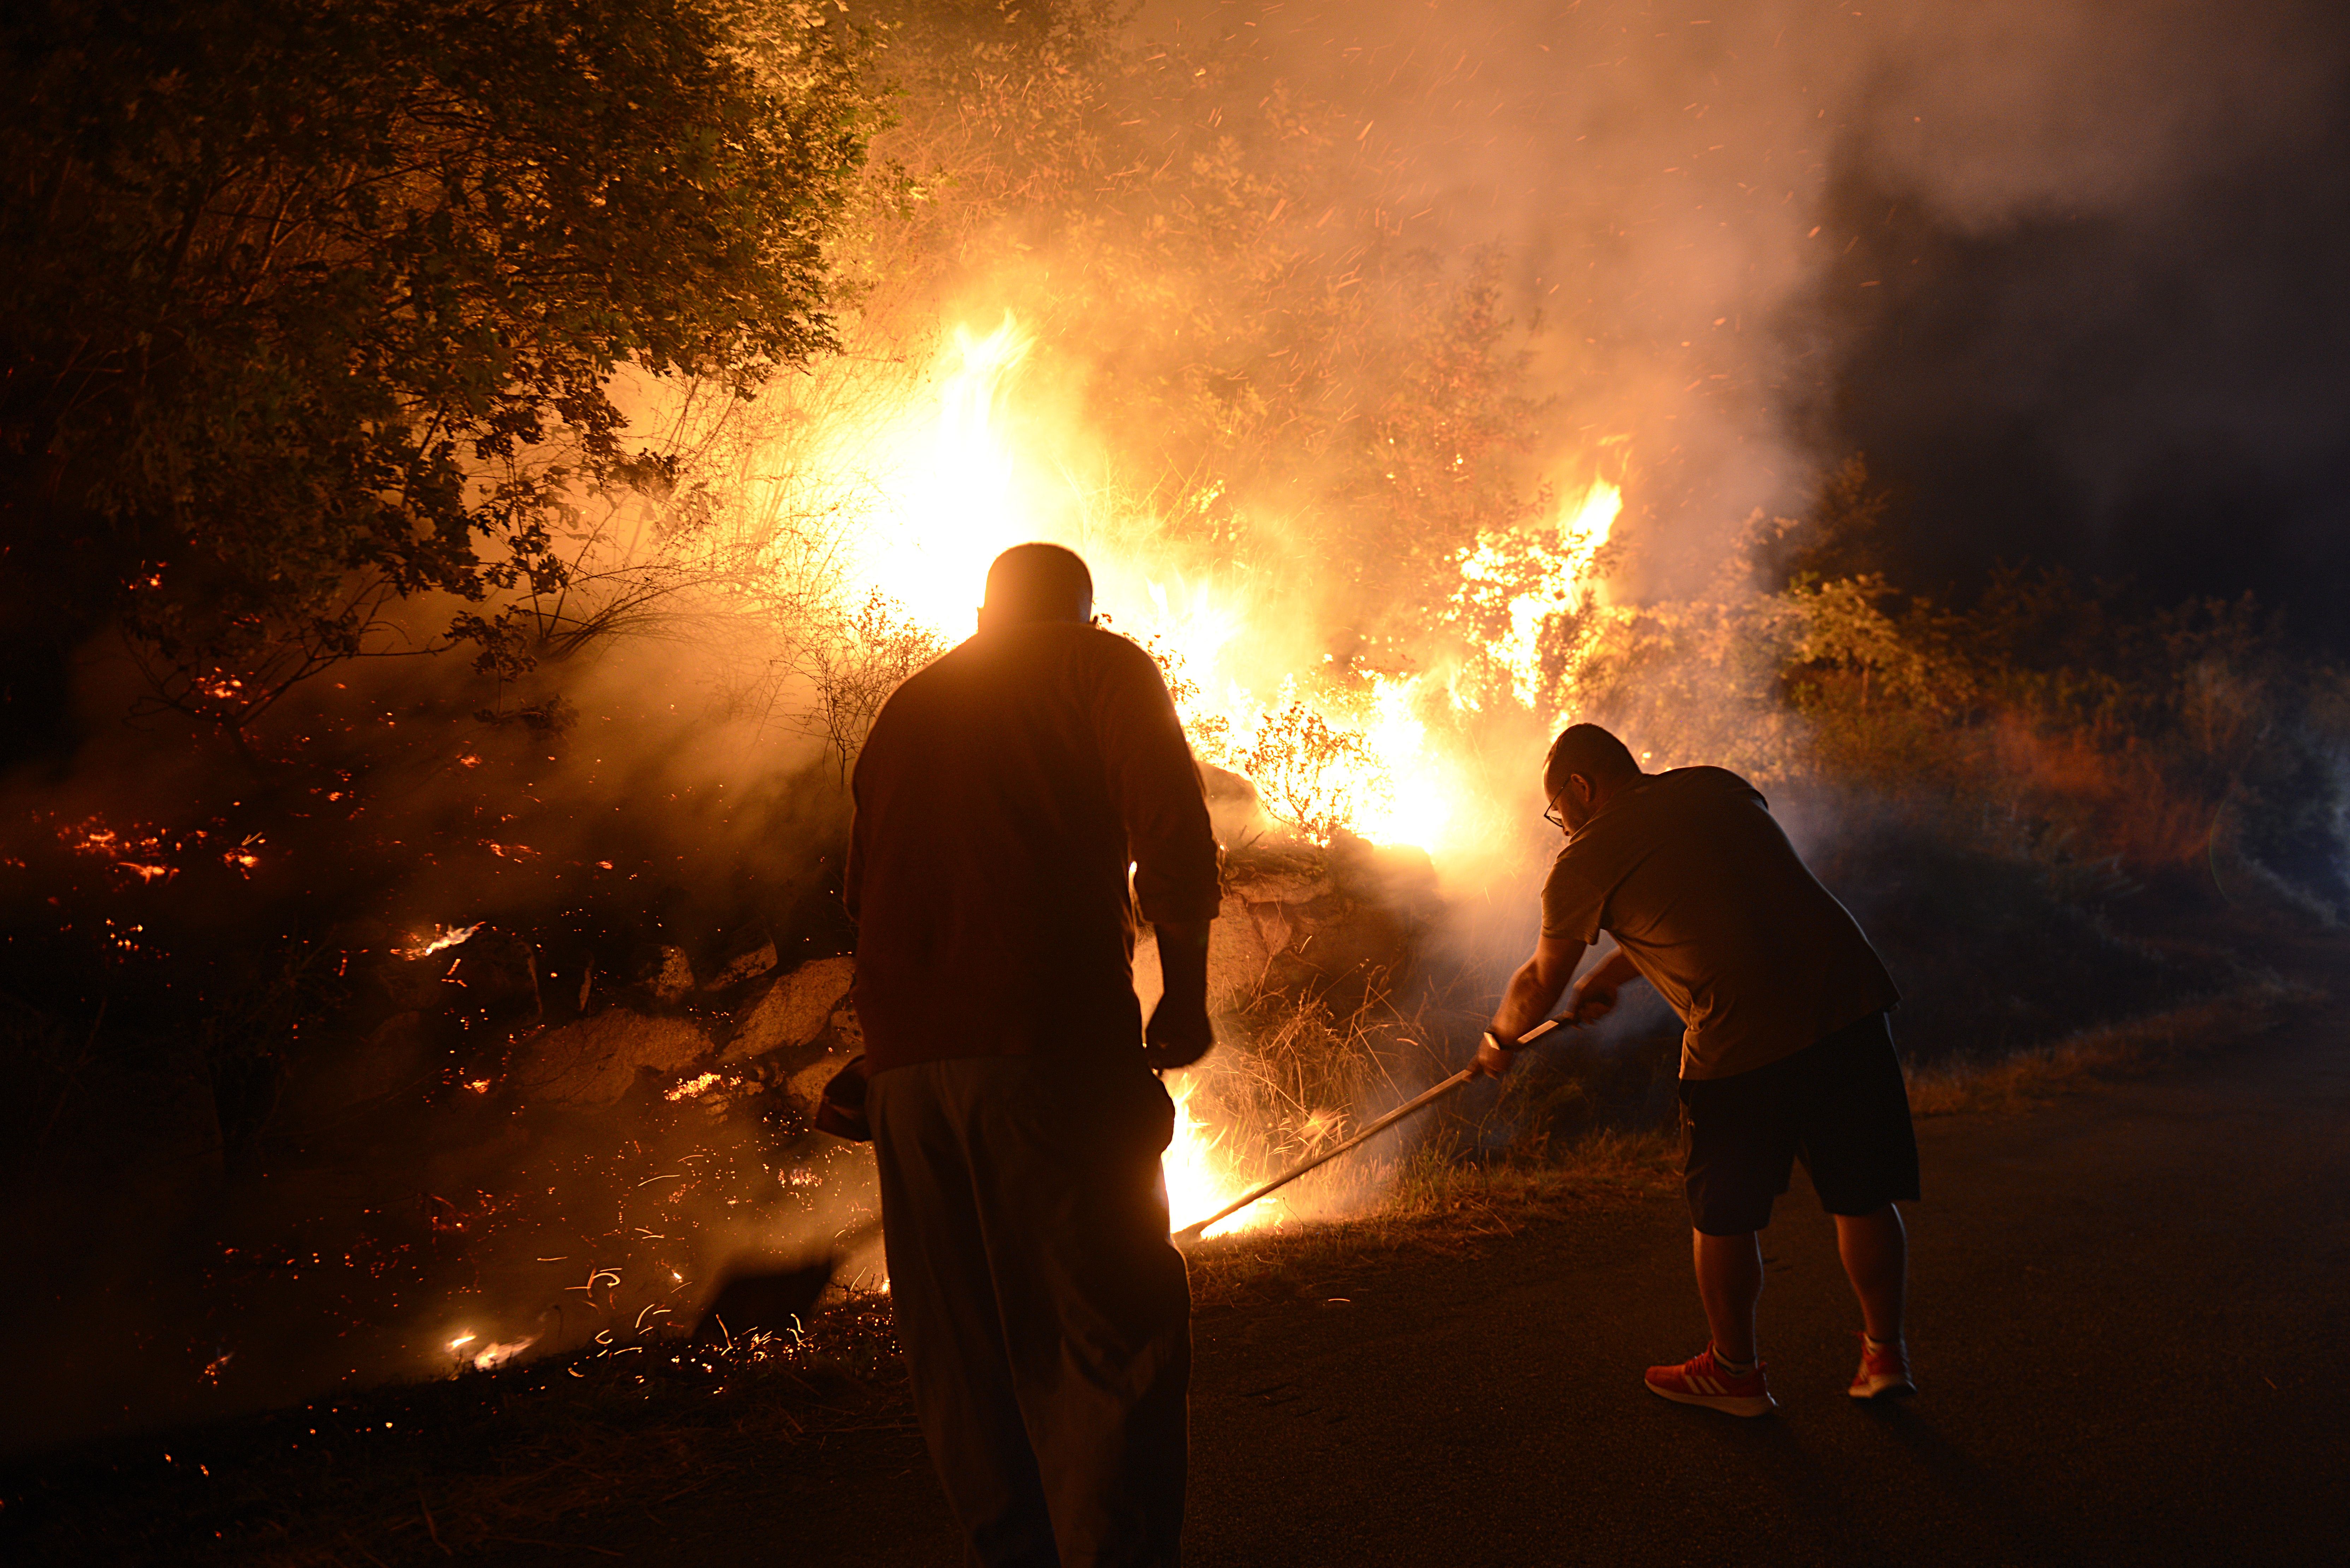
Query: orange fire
{"x": 952, "y": 480}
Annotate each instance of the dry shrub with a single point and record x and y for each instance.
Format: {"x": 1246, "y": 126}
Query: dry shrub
{"x": 1307, "y": 770}
{"x": 1290, "y": 1082}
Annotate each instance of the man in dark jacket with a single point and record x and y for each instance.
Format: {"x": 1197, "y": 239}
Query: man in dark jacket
{"x": 1016, "y": 800}
{"x": 1785, "y": 1053}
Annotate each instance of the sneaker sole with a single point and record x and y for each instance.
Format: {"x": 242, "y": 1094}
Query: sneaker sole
{"x": 1728, "y": 1404}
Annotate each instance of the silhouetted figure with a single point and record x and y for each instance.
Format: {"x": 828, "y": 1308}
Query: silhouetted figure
{"x": 1785, "y": 1053}
{"x": 1001, "y": 797}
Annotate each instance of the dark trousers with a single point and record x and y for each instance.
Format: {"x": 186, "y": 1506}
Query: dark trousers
{"x": 1045, "y": 1316}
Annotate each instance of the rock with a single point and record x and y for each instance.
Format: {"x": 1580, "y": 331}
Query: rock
{"x": 478, "y": 969}
{"x": 1238, "y": 959}
{"x": 1283, "y": 881}
{"x": 403, "y": 1054}
{"x": 806, "y": 1086}
{"x": 743, "y": 967}
{"x": 1235, "y": 809}
{"x": 595, "y": 1061}
{"x": 794, "y": 1010}
{"x": 675, "y": 981}
{"x": 1302, "y": 919}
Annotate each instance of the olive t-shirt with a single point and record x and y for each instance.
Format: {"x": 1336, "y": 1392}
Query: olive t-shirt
{"x": 1692, "y": 877}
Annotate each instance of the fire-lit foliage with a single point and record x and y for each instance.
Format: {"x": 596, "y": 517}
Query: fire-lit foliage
{"x": 312, "y": 309}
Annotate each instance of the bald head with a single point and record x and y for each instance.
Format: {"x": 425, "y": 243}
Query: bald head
{"x": 1588, "y": 765}
{"x": 1037, "y": 582}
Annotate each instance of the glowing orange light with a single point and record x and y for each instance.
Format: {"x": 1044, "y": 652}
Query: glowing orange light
{"x": 441, "y": 937}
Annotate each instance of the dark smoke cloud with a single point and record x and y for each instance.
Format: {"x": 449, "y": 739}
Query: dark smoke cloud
{"x": 2070, "y": 273}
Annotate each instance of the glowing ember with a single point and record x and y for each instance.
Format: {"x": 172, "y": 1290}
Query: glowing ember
{"x": 691, "y": 1086}
{"x": 489, "y": 1358}
{"x": 442, "y": 937}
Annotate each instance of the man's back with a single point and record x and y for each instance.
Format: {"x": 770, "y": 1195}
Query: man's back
{"x": 1000, "y": 797}
{"x": 1703, "y": 891}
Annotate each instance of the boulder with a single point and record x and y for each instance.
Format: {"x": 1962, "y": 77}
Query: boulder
{"x": 1234, "y": 810}
{"x": 594, "y": 1061}
{"x": 806, "y": 1086}
{"x": 743, "y": 967}
{"x": 1296, "y": 918}
{"x": 404, "y": 1054}
{"x": 674, "y": 982}
{"x": 794, "y": 1012}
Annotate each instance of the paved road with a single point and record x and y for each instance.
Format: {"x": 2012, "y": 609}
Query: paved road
{"x": 2131, "y": 1324}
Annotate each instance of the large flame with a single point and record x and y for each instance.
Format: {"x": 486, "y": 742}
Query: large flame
{"x": 951, "y": 487}
{"x": 1201, "y": 1177}
{"x": 951, "y": 504}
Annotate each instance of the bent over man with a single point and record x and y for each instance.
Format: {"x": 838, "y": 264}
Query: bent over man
{"x": 1001, "y": 797}
{"x": 1786, "y": 1053}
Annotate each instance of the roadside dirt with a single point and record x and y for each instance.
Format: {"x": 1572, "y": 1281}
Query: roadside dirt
{"x": 2128, "y": 1310}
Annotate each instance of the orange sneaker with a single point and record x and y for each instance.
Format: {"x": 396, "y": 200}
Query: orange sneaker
{"x": 1884, "y": 1372}
{"x": 1701, "y": 1381}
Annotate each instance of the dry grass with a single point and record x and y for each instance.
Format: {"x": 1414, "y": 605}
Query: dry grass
{"x": 2031, "y": 1077}
{"x": 1437, "y": 1203}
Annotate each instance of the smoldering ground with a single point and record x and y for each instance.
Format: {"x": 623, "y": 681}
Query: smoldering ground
{"x": 279, "y": 1133}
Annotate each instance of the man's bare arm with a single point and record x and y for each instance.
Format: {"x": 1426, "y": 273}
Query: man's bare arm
{"x": 1533, "y": 993}
{"x": 1595, "y": 994}
{"x": 1178, "y": 1033}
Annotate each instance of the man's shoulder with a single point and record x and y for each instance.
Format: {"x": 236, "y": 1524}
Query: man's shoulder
{"x": 1113, "y": 649}
{"x": 1681, "y": 793}
{"x": 1657, "y": 807}
{"x": 1706, "y": 778}
{"x": 1075, "y": 642}
{"x": 934, "y": 678}
{"x": 1026, "y": 664}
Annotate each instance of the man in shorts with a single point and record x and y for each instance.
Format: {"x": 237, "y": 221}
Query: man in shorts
{"x": 1784, "y": 1056}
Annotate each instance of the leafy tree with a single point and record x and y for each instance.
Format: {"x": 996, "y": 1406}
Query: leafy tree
{"x": 313, "y": 307}
{"x": 1842, "y": 533}
{"x": 1214, "y": 258}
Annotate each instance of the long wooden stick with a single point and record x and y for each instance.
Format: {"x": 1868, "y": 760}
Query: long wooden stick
{"x": 1419, "y": 1103}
